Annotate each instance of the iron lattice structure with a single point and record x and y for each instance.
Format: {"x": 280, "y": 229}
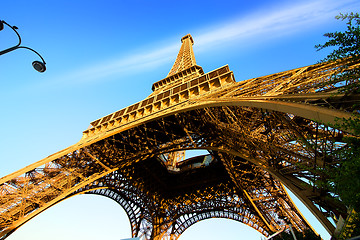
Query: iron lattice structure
{"x": 261, "y": 134}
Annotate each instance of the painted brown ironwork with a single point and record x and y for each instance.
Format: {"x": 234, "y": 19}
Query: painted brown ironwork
{"x": 261, "y": 134}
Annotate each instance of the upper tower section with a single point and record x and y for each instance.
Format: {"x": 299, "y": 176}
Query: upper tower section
{"x": 184, "y": 68}
{"x": 185, "y": 58}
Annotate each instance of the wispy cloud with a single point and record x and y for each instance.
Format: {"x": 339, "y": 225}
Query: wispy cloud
{"x": 126, "y": 64}
{"x": 276, "y": 22}
{"x": 263, "y": 24}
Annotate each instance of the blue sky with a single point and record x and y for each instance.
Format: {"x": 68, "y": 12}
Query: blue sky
{"x": 104, "y": 55}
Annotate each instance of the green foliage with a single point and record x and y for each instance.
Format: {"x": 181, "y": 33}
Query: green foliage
{"x": 344, "y": 180}
{"x": 352, "y": 124}
{"x": 347, "y": 45}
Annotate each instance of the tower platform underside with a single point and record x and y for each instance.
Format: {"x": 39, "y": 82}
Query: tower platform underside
{"x": 260, "y": 135}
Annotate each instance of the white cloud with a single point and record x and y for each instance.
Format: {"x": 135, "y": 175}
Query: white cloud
{"x": 124, "y": 65}
{"x": 263, "y": 24}
{"x": 277, "y": 22}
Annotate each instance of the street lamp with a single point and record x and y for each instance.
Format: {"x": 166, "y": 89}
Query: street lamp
{"x": 38, "y": 65}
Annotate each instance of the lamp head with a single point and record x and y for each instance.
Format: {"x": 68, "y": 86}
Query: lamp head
{"x": 39, "y": 66}
{"x": 1, "y": 25}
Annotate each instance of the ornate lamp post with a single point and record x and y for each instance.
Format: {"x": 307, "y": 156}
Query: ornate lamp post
{"x": 38, "y": 65}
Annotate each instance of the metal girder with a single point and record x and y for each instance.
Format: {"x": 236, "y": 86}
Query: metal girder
{"x": 179, "y": 208}
{"x": 262, "y": 133}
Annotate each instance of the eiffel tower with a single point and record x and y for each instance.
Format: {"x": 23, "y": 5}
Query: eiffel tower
{"x": 260, "y": 135}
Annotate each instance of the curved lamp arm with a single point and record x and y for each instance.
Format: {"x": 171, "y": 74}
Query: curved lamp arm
{"x": 39, "y": 66}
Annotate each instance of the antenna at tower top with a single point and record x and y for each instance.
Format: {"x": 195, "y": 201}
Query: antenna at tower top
{"x": 184, "y": 68}
{"x": 187, "y": 36}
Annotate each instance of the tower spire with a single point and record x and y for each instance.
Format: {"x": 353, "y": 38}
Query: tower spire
{"x": 185, "y": 58}
{"x": 184, "y": 68}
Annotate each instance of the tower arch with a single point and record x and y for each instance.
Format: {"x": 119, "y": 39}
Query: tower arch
{"x": 261, "y": 133}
